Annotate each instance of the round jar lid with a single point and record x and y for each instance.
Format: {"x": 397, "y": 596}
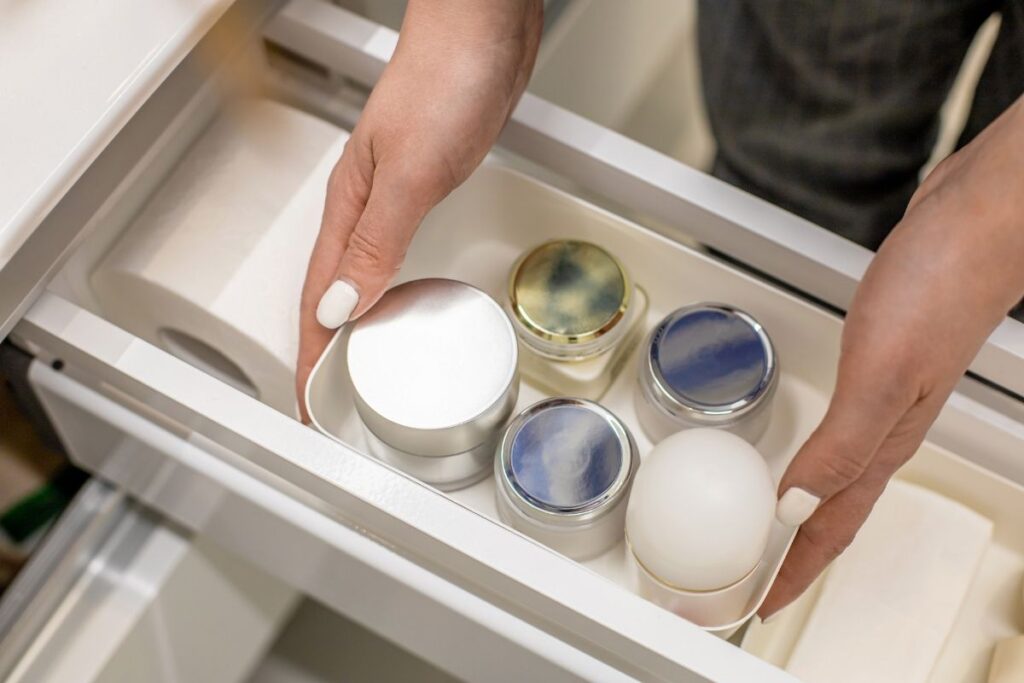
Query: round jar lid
{"x": 433, "y": 365}
{"x": 568, "y": 293}
{"x": 566, "y": 457}
{"x": 711, "y": 361}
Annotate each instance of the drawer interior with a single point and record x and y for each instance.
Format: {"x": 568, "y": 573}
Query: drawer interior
{"x": 451, "y": 244}
{"x": 477, "y": 234}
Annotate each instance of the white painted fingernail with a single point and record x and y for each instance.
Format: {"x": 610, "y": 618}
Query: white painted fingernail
{"x": 796, "y": 506}
{"x": 771, "y": 618}
{"x": 337, "y": 304}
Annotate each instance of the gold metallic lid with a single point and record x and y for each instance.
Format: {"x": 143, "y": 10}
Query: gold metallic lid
{"x": 568, "y": 293}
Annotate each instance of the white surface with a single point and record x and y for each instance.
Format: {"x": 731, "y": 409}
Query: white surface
{"x": 155, "y": 606}
{"x": 890, "y": 601}
{"x": 71, "y": 75}
{"x": 271, "y": 523}
{"x": 219, "y": 253}
{"x": 432, "y": 355}
{"x": 320, "y": 646}
{"x": 701, "y": 510}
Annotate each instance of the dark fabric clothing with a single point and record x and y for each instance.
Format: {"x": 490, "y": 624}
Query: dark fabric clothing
{"x": 830, "y": 109}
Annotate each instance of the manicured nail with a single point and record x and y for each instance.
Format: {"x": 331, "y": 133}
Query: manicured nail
{"x": 796, "y": 506}
{"x": 770, "y": 618}
{"x": 337, "y": 304}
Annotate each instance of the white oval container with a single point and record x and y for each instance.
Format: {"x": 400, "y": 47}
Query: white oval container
{"x": 698, "y": 522}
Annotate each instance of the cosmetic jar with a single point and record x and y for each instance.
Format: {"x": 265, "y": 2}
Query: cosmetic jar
{"x": 434, "y": 371}
{"x": 698, "y": 520}
{"x": 707, "y": 365}
{"x": 576, "y": 312}
{"x": 563, "y": 473}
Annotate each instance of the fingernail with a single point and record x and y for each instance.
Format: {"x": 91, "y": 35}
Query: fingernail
{"x": 796, "y": 506}
{"x": 770, "y": 618}
{"x": 337, "y": 304}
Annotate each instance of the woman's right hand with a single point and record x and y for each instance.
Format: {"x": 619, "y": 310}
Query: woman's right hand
{"x": 457, "y": 73}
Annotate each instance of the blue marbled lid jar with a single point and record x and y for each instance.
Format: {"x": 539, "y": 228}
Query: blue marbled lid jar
{"x": 563, "y": 471}
{"x": 707, "y": 365}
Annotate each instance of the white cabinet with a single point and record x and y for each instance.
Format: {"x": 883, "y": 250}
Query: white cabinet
{"x": 306, "y": 515}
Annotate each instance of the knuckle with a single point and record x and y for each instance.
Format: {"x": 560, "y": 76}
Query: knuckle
{"x": 827, "y": 541}
{"x": 427, "y": 180}
{"x": 843, "y": 465}
{"x": 368, "y": 251}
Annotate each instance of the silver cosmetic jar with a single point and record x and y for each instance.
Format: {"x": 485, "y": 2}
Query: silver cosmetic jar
{"x": 707, "y": 365}
{"x": 563, "y": 474}
{"x": 434, "y": 372}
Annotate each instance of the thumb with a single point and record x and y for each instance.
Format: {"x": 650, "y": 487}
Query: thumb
{"x": 376, "y": 248}
{"x": 840, "y": 450}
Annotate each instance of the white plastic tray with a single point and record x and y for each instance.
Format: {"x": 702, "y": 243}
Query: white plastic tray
{"x": 476, "y": 235}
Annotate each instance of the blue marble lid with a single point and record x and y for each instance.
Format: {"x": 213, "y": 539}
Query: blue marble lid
{"x": 566, "y": 455}
{"x": 711, "y": 357}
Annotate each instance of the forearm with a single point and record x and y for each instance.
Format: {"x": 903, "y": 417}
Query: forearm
{"x": 954, "y": 266}
{"x": 501, "y": 35}
{"x": 940, "y": 283}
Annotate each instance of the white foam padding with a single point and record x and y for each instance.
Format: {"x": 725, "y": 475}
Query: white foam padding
{"x": 889, "y": 602}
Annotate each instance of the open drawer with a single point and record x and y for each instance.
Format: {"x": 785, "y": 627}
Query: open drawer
{"x": 118, "y": 594}
{"x": 434, "y": 572}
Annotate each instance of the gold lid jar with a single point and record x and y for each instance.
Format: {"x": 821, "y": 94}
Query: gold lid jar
{"x": 570, "y": 299}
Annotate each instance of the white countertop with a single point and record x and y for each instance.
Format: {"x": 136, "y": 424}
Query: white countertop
{"x": 71, "y": 75}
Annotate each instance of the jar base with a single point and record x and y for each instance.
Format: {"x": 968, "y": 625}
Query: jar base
{"x": 591, "y": 377}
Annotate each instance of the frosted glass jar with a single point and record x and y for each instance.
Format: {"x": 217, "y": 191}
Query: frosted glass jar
{"x": 707, "y": 365}
{"x": 576, "y": 312}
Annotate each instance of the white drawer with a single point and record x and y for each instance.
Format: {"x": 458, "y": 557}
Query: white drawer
{"x": 145, "y": 601}
{"x": 409, "y": 562}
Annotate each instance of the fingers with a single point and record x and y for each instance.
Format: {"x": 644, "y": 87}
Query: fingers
{"x": 372, "y": 211}
{"x": 833, "y": 526}
{"x": 822, "y": 538}
{"x": 841, "y": 449}
{"x": 377, "y": 246}
{"x": 347, "y": 193}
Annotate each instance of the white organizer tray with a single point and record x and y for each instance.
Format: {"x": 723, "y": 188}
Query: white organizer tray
{"x": 475, "y": 236}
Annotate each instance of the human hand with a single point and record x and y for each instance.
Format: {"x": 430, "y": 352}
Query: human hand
{"x": 457, "y": 73}
{"x": 938, "y": 286}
